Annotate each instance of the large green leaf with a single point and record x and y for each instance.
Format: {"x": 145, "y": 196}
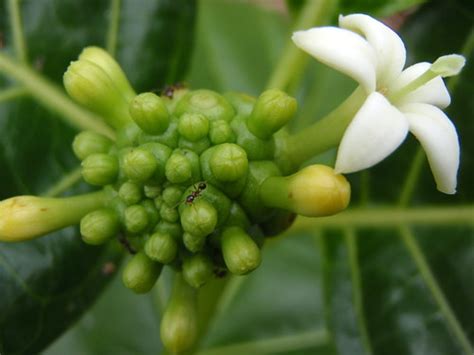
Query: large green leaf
{"x": 48, "y": 283}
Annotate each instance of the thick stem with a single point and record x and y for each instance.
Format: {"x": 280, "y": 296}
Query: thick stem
{"x": 323, "y": 134}
{"x": 315, "y": 12}
{"x": 52, "y": 97}
{"x": 28, "y": 217}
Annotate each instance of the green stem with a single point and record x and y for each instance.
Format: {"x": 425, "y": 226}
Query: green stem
{"x": 390, "y": 217}
{"x": 111, "y": 42}
{"x": 17, "y": 30}
{"x": 323, "y": 134}
{"x": 12, "y": 93}
{"x": 438, "y": 295}
{"x": 53, "y": 98}
{"x": 65, "y": 183}
{"x": 315, "y": 12}
{"x": 28, "y": 217}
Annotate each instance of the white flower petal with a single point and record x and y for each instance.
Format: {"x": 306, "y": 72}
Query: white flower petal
{"x": 389, "y": 48}
{"x": 376, "y": 131}
{"x": 439, "y": 139}
{"x": 434, "y": 92}
{"x": 342, "y": 50}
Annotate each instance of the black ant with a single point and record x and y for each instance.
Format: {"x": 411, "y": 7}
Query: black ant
{"x": 194, "y": 194}
{"x": 169, "y": 90}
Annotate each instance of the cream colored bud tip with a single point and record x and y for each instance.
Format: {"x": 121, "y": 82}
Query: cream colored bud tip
{"x": 318, "y": 190}
{"x": 448, "y": 65}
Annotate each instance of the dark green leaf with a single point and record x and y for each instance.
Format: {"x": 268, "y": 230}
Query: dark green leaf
{"x": 46, "y": 284}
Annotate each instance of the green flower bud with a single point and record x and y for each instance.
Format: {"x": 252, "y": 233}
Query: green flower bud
{"x": 209, "y": 103}
{"x": 99, "y": 226}
{"x": 158, "y": 201}
{"x": 152, "y": 191}
{"x": 212, "y": 195}
{"x": 228, "y": 162}
{"x": 172, "y": 195}
{"x": 193, "y": 242}
{"x": 161, "y": 153}
{"x": 197, "y": 147}
{"x": 150, "y": 113}
{"x": 313, "y": 191}
{"x": 152, "y": 212}
{"x": 28, "y": 217}
{"x": 241, "y": 254}
{"x": 161, "y": 247}
{"x": 199, "y": 219}
{"x": 87, "y": 143}
{"x": 169, "y": 138}
{"x": 256, "y": 148}
{"x": 107, "y": 63}
{"x": 193, "y": 126}
{"x": 221, "y": 132}
{"x": 89, "y": 85}
{"x": 136, "y": 218}
{"x": 139, "y": 165}
{"x": 128, "y": 136}
{"x": 272, "y": 111}
{"x": 140, "y": 273}
{"x": 100, "y": 169}
{"x": 168, "y": 213}
{"x": 242, "y": 103}
{"x": 250, "y": 199}
{"x": 130, "y": 193}
{"x": 178, "y": 169}
{"x": 231, "y": 189}
{"x": 197, "y": 270}
{"x": 173, "y": 229}
{"x": 179, "y": 325}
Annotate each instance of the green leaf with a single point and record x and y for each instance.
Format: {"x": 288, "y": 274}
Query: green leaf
{"x": 48, "y": 283}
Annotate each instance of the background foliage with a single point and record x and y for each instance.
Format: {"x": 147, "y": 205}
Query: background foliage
{"x": 368, "y": 281}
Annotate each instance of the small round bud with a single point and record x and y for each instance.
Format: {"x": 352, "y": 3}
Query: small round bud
{"x": 199, "y": 219}
{"x": 168, "y": 213}
{"x": 130, "y": 193}
{"x": 197, "y": 147}
{"x": 272, "y": 111}
{"x": 128, "y": 136}
{"x": 193, "y": 126}
{"x": 179, "y": 325}
{"x": 161, "y": 247}
{"x": 107, "y": 63}
{"x": 87, "y": 143}
{"x": 100, "y": 169}
{"x": 158, "y": 201}
{"x": 197, "y": 270}
{"x": 140, "y": 273}
{"x": 178, "y": 169}
{"x": 89, "y": 85}
{"x": 150, "y": 113}
{"x": 256, "y": 148}
{"x": 136, "y": 218}
{"x": 193, "y": 242}
{"x": 139, "y": 165}
{"x": 152, "y": 212}
{"x": 241, "y": 254}
{"x": 173, "y": 229}
{"x": 228, "y": 162}
{"x": 172, "y": 195}
{"x": 99, "y": 226}
{"x": 152, "y": 191}
{"x": 209, "y": 103}
{"x": 221, "y": 132}
{"x": 313, "y": 191}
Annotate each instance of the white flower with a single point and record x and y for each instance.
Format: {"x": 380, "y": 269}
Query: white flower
{"x": 397, "y": 100}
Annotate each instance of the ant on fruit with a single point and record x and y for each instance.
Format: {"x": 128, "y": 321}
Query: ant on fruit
{"x": 194, "y": 194}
